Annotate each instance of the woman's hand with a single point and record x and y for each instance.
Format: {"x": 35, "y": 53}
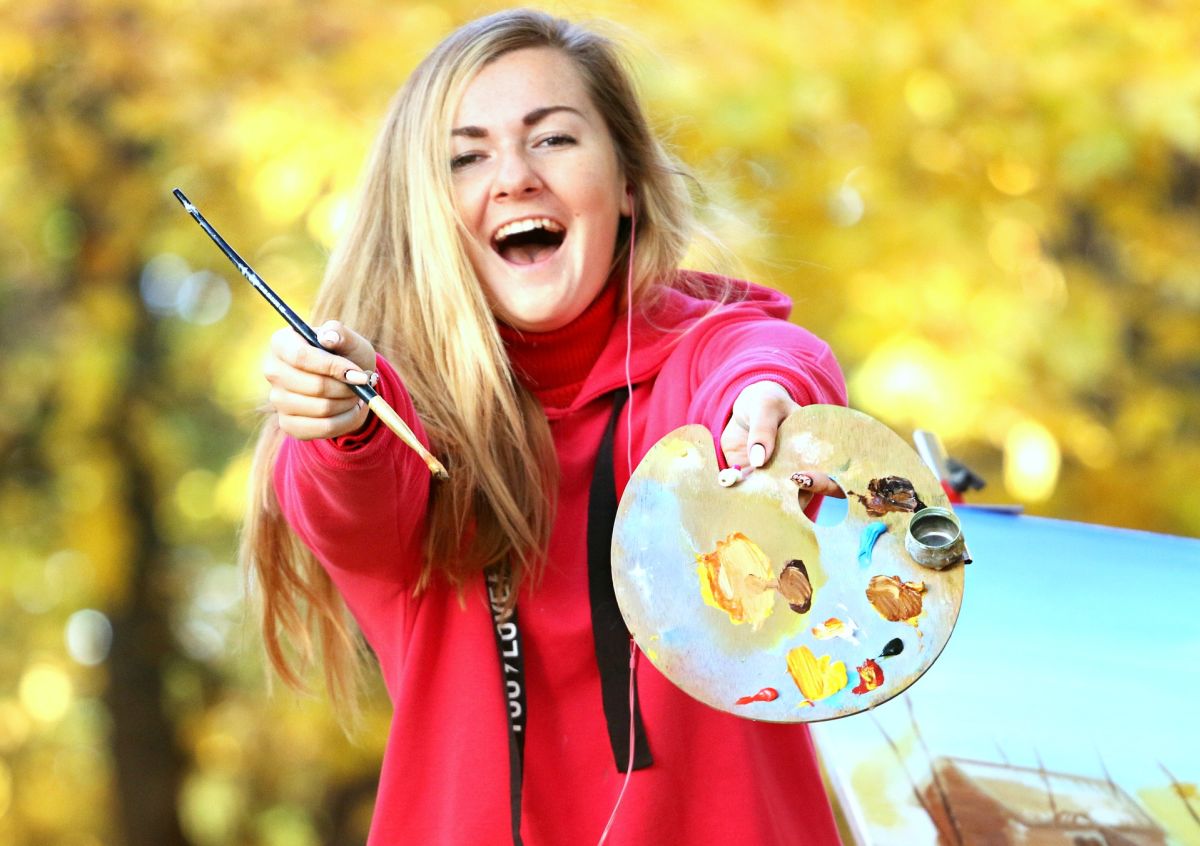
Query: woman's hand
{"x": 309, "y": 389}
{"x": 749, "y": 437}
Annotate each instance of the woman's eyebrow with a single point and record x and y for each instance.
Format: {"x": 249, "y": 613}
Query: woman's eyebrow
{"x": 530, "y": 119}
{"x": 538, "y": 114}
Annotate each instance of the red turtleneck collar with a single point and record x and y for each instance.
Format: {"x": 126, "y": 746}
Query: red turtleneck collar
{"x": 554, "y": 364}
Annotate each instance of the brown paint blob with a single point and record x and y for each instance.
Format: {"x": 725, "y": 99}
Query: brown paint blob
{"x": 890, "y": 493}
{"x": 895, "y": 600}
{"x": 795, "y": 586}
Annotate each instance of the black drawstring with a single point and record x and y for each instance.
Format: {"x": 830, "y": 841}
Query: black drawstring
{"x": 608, "y": 630}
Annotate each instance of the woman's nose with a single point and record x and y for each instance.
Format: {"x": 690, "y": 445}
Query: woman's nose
{"x": 516, "y": 177}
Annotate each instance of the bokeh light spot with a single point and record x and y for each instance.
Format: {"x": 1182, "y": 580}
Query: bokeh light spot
{"x": 204, "y": 298}
{"x": 327, "y": 218}
{"x": 846, "y": 206}
{"x": 929, "y": 96}
{"x": 1031, "y": 461}
{"x": 62, "y": 233}
{"x": 89, "y": 636}
{"x": 160, "y": 281}
{"x": 45, "y": 692}
{"x": 14, "y": 725}
{"x": 1013, "y": 244}
{"x": 935, "y": 151}
{"x": 233, "y": 488}
{"x": 1010, "y": 175}
{"x": 195, "y": 494}
{"x": 209, "y": 808}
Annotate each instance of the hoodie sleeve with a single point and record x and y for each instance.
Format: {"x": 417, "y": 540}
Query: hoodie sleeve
{"x": 734, "y": 353}
{"x": 359, "y": 502}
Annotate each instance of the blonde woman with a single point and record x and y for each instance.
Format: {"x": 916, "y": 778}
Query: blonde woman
{"x": 518, "y": 223}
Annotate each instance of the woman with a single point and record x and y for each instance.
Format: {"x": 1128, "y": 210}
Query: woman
{"x": 514, "y": 203}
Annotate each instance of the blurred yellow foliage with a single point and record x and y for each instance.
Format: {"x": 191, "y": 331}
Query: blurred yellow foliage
{"x": 990, "y": 210}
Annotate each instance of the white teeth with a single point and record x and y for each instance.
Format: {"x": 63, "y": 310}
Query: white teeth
{"x": 526, "y": 225}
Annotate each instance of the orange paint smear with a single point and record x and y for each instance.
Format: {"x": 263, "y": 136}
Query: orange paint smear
{"x": 833, "y": 627}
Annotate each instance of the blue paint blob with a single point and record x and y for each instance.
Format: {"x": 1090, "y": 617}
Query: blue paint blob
{"x": 866, "y": 544}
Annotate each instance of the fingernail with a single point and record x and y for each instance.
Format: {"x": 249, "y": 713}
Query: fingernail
{"x": 802, "y": 479}
{"x": 357, "y": 377}
{"x": 330, "y": 338}
{"x": 374, "y": 378}
{"x": 758, "y": 455}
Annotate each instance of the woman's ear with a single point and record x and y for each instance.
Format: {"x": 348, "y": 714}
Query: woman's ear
{"x": 627, "y": 201}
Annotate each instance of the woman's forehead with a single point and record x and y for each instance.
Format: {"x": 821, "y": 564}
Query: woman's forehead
{"x": 522, "y": 83}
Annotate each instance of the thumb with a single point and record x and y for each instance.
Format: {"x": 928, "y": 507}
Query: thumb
{"x": 762, "y": 407}
{"x": 337, "y": 337}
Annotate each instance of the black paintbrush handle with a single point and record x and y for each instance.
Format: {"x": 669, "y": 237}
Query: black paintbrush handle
{"x": 294, "y": 320}
{"x": 374, "y": 401}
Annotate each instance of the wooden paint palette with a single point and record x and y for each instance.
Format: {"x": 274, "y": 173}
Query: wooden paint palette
{"x": 747, "y": 605}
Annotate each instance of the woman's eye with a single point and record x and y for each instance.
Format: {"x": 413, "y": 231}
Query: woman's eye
{"x": 464, "y": 160}
{"x": 558, "y": 140}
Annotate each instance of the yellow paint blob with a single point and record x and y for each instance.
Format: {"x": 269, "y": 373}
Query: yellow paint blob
{"x": 733, "y": 579}
{"x": 816, "y": 677}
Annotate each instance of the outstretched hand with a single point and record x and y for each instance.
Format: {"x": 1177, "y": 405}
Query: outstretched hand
{"x": 749, "y": 437}
{"x": 310, "y": 387}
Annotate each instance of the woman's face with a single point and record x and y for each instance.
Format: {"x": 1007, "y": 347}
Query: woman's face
{"x": 537, "y": 183}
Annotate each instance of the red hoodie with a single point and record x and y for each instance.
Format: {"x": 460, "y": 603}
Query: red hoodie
{"x": 359, "y": 504}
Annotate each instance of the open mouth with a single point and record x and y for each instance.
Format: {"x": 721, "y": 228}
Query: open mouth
{"x": 528, "y": 241}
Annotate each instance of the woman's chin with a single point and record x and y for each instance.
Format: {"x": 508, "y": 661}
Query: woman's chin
{"x": 544, "y": 305}
{"x": 535, "y": 321}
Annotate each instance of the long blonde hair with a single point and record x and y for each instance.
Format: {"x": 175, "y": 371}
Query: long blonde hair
{"x": 400, "y": 276}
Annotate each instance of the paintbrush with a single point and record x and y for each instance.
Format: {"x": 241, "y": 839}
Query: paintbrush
{"x": 374, "y": 401}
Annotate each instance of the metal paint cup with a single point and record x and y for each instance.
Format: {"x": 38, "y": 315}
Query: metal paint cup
{"x": 935, "y": 539}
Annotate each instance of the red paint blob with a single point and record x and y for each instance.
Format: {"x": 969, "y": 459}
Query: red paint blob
{"x": 870, "y": 676}
{"x": 764, "y": 695}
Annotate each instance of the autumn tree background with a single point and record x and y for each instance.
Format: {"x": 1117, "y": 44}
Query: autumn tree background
{"x": 991, "y": 210}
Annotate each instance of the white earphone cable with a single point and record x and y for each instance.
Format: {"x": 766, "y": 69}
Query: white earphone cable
{"x": 633, "y": 649}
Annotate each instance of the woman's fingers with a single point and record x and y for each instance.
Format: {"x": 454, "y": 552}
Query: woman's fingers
{"x": 309, "y": 428}
{"x": 311, "y": 389}
{"x": 811, "y": 483}
{"x": 758, "y": 411}
{"x": 750, "y": 437}
{"x": 817, "y": 484}
{"x": 289, "y": 349}
{"x": 338, "y": 338}
{"x": 308, "y": 414}
{"x": 303, "y": 405}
